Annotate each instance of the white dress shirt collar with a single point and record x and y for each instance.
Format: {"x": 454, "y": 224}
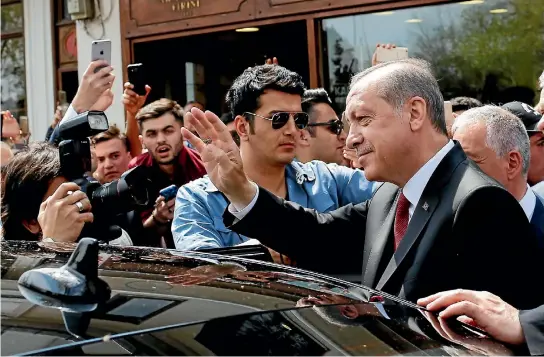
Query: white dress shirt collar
{"x": 416, "y": 185}
{"x": 528, "y": 203}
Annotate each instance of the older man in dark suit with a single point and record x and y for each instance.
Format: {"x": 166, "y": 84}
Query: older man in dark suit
{"x": 499, "y": 143}
{"x": 437, "y": 223}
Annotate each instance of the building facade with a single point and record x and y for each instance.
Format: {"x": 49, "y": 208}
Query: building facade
{"x": 194, "y": 49}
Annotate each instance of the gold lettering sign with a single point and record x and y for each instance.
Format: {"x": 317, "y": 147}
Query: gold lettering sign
{"x": 185, "y": 7}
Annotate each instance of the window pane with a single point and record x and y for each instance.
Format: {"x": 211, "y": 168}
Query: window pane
{"x": 13, "y": 75}
{"x": 491, "y": 50}
{"x": 12, "y": 18}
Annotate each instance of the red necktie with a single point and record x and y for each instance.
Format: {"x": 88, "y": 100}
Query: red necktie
{"x": 401, "y": 219}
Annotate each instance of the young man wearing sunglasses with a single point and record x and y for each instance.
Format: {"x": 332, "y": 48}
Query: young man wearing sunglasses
{"x": 324, "y": 138}
{"x": 266, "y": 104}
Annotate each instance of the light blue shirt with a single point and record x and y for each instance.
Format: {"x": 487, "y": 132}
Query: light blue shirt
{"x": 198, "y": 216}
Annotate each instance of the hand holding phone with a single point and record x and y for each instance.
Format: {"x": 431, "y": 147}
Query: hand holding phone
{"x": 136, "y": 77}
{"x": 387, "y": 53}
{"x": 169, "y": 192}
{"x": 101, "y": 50}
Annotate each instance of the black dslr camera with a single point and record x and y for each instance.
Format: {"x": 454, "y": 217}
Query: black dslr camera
{"x": 108, "y": 200}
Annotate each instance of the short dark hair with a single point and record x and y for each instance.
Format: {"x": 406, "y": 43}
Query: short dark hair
{"x": 464, "y": 103}
{"x": 227, "y": 118}
{"x": 243, "y": 95}
{"x": 113, "y": 132}
{"x": 157, "y": 109}
{"x": 310, "y": 98}
{"x": 26, "y": 179}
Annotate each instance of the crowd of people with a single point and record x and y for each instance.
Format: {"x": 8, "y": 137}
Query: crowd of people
{"x": 423, "y": 202}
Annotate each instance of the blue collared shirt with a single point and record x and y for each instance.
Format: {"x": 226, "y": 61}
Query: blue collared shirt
{"x": 198, "y": 217}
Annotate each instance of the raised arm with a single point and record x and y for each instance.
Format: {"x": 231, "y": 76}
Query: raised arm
{"x": 303, "y": 234}
{"x": 133, "y": 103}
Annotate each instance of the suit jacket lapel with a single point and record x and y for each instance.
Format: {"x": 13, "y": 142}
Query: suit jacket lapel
{"x": 423, "y": 211}
{"x": 376, "y": 242}
{"x": 419, "y": 220}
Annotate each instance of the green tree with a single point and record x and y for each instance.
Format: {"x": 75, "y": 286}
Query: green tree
{"x": 510, "y": 45}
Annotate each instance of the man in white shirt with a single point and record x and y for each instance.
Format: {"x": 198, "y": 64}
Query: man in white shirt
{"x": 498, "y": 142}
{"x": 436, "y": 223}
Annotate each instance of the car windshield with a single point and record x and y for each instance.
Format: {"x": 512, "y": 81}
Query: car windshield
{"x": 353, "y": 329}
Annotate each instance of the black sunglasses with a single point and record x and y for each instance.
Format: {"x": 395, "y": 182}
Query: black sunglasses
{"x": 279, "y": 119}
{"x": 335, "y": 126}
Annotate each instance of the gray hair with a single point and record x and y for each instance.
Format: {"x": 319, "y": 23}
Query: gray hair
{"x": 505, "y": 132}
{"x": 410, "y": 78}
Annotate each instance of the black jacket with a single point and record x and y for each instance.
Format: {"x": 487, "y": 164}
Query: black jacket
{"x": 466, "y": 232}
{"x": 532, "y": 323}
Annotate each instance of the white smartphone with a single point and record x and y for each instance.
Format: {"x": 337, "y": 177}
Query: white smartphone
{"x": 391, "y": 54}
{"x": 101, "y": 50}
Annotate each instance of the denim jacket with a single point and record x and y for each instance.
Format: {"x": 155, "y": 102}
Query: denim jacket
{"x": 198, "y": 217}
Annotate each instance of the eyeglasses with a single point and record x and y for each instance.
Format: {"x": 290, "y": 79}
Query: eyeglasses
{"x": 335, "y": 126}
{"x": 279, "y": 119}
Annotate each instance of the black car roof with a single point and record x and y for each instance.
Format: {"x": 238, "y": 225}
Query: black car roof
{"x": 153, "y": 288}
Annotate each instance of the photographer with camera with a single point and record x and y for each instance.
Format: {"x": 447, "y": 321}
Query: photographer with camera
{"x": 39, "y": 203}
{"x": 112, "y": 150}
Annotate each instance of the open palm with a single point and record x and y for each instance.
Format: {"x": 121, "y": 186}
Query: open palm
{"x": 220, "y": 155}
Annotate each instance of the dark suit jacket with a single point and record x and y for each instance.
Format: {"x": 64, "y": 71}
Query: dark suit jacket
{"x": 532, "y": 323}
{"x": 466, "y": 232}
{"x": 537, "y": 221}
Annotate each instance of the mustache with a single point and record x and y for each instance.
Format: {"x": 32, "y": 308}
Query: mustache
{"x": 363, "y": 150}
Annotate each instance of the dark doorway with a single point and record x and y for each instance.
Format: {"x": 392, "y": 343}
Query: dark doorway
{"x": 203, "y": 67}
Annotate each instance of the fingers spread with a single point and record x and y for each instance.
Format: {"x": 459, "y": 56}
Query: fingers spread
{"x": 196, "y": 142}
{"x": 198, "y": 120}
{"x": 202, "y": 122}
{"x": 219, "y": 127}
